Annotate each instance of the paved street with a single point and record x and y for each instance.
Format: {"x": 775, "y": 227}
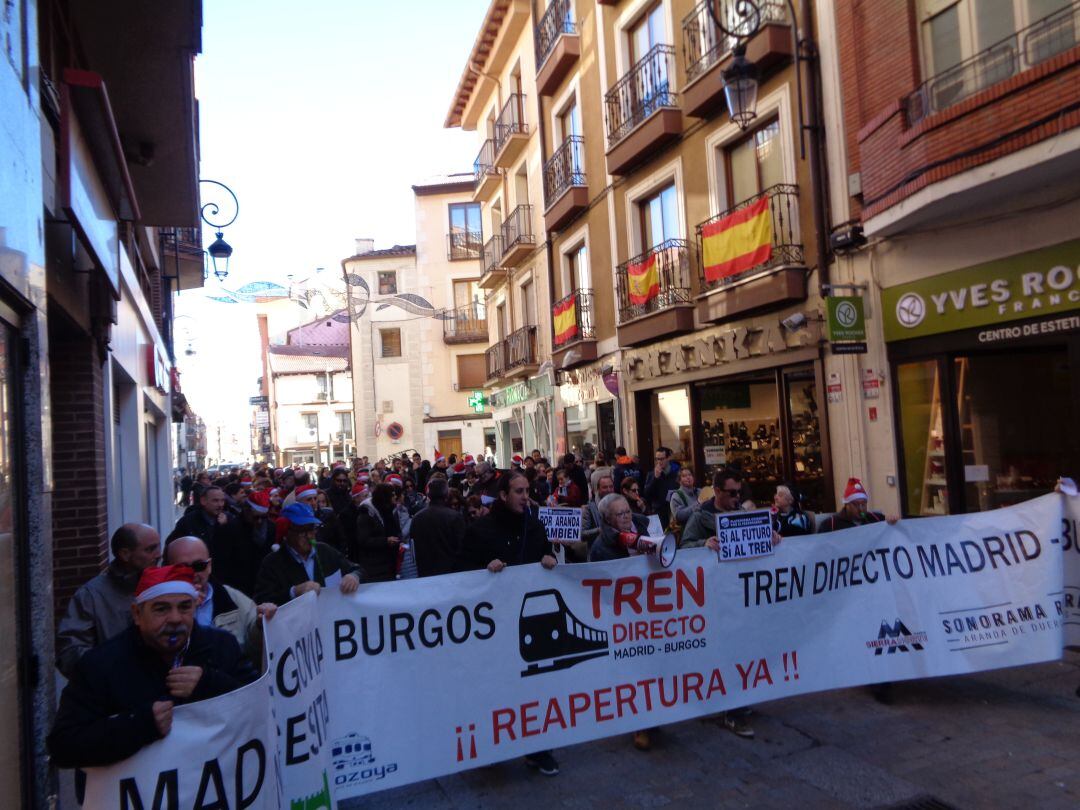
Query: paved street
{"x": 1009, "y": 738}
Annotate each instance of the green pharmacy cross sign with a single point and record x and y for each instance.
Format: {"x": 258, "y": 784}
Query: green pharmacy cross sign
{"x": 477, "y": 401}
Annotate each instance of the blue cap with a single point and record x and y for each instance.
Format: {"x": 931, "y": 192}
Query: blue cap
{"x": 300, "y": 514}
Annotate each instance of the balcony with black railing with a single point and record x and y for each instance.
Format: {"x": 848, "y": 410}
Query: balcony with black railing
{"x": 1027, "y": 48}
{"x": 642, "y": 110}
{"x": 511, "y": 131}
{"x": 492, "y": 261}
{"x": 485, "y": 173}
{"x": 495, "y": 361}
{"x": 558, "y": 46}
{"x": 465, "y": 324}
{"x": 573, "y": 338}
{"x": 464, "y": 245}
{"x": 707, "y": 49}
{"x": 751, "y": 256}
{"x": 654, "y": 293}
{"x": 183, "y": 256}
{"x": 518, "y": 240}
{"x": 565, "y": 190}
{"x": 521, "y": 351}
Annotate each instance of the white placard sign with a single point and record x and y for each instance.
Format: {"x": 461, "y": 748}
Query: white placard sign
{"x": 744, "y": 534}
{"x": 562, "y": 524}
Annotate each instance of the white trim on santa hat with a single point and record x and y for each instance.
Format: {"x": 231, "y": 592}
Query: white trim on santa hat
{"x": 171, "y": 587}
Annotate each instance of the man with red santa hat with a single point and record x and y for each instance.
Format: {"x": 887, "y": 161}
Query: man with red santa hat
{"x": 854, "y": 511}
{"x": 122, "y": 693}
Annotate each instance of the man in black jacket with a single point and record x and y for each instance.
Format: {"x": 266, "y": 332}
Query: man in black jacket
{"x": 438, "y": 534}
{"x": 511, "y": 535}
{"x": 660, "y": 483}
{"x": 301, "y": 564}
{"x": 121, "y": 694}
{"x": 204, "y": 521}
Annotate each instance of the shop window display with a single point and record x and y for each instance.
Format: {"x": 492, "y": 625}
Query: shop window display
{"x": 581, "y": 431}
{"x": 741, "y": 429}
{"x": 805, "y": 431}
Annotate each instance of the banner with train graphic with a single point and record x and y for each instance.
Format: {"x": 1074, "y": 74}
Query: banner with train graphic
{"x": 411, "y": 680}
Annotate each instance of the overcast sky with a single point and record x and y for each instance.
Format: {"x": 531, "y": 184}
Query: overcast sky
{"x": 320, "y": 116}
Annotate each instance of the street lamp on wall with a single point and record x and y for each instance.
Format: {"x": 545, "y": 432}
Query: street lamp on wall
{"x": 220, "y": 250}
{"x": 741, "y": 87}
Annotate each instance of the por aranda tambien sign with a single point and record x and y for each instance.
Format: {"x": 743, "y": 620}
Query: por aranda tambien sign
{"x": 427, "y": 677}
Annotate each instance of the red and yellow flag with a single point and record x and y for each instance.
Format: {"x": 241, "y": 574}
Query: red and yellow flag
{"x": 737, "y": 242}
{"x": 643, "y": 281}
{"x": 565, "y": 320}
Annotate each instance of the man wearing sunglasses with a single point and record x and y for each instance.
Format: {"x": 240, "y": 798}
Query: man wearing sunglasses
{"x": 220, "y": 605}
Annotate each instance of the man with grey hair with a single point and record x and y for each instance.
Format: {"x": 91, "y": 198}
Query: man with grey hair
{"x": 101, "y": 608}
{"x": 617, "y": 519}
{"x": 591, "y": 520}
{"x": 220, "y": 605}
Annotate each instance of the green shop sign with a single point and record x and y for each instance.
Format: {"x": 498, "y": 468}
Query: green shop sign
{"x": 846, "y": 318}
{"x": 1041, "y": 282}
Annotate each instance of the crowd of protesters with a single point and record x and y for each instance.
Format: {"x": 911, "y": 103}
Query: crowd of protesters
{"x": 163, "y": 626}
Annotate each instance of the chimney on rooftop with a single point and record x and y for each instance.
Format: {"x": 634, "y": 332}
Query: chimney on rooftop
{"x": 364, "y": 245}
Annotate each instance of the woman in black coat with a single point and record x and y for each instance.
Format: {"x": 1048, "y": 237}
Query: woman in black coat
{"x": 378, "y": 534}
{"x": 511, "y": 534}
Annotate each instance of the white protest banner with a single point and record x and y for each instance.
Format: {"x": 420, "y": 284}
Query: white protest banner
{"x": 414, "y": 679}
{"x": 562, "y": 524}
{"x": 1070, "y": 548}
{"x": 296, "y": 660}
{"x": 469, "y": 669}
{"x": 218, "y": 753}
{"x": 744, "y": 534}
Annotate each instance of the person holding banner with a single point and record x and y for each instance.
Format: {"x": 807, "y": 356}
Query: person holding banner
{"x": 619, "y": 519}
{"x": 121, "y": 695}
{"x": 512, "y": 535}
{"x": 301, "y": 565}
{"x": 855, "y": 511}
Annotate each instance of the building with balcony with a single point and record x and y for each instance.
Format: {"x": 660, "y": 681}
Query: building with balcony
{"x": 957, "y": 151}
{"x": 90, "y": 97}
{"x": 501, "y": 106}
{"x": 677, "y": 244}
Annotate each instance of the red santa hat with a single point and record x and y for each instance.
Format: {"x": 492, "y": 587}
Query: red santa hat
{"x": 469, "y": 461}
{"x": 168, "y": 580}
{"x": 363, "y": 478}
{"x": 438, "y": 455}
{"x": 259, "y": 502}
{"x": 359, "y": 489}
{"x": 459, "y": 468}
{"x": 306, "y": 491}
{"x": 517, "y": 460}
{"x": 395, "y": 479}
{"x": 854, "y": 491}
{"x": 246, "y": 481}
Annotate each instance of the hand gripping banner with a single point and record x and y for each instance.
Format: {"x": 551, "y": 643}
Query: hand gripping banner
{"x": 426, "y": 677}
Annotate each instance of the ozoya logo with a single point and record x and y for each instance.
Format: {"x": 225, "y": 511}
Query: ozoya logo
{"x": 910, "y": 310}
{"x": 354, "y": 762}
{"x": 551, "y": 637}
{"x": 896, "y": 637}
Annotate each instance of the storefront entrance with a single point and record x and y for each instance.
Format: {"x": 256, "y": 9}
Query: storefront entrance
{"x": 765, "y": 424}
{"x": 981, "y": 430}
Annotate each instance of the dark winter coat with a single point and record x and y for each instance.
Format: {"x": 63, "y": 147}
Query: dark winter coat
{"x": 839, "y": 521}
{"x": 105, "y": 712}
{"x": 505, "y": 535}
{"x": 376, "y": 556}
{"x": 280, "y": 572}
{"x": 438, "y": 539}
{"x": 657, "y": 491}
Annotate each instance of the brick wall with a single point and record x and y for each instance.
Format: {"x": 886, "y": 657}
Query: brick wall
{"x": 80, "y": 520}
{"x": 879, "y": 67}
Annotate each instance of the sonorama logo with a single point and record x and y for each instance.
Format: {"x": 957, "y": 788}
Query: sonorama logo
{"x": 354, "y": 762}
{"x": 895, "y": 637}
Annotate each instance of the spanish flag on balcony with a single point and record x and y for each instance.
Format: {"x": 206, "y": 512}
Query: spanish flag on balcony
{"x": 737, "y": 242}
{"x": 565, "y": 313}
{"x": 643, "y": 281}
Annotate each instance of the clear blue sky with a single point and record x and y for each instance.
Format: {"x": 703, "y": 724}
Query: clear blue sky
{"x": 320, "y": 116}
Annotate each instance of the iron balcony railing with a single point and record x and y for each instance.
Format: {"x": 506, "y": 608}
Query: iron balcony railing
{"x": 557, "y": 20}
{"x": 672, "y": 268}
{"x": 495, "y": 360}
{"x": 465, "y": 324}
{"x": 1025, "y": 49}
{"x": 464, "y": 245}
{"x": 511, "y": 121}
{"x": 564, "y": 169}
{"x": 521, "y": 348}
{"x": 582, "y": 329}
{"x": 644, "y": 89}
{"x": 185, "y": 240}
{"x": 493, "y": 253}
{"x": 785, "y": 246}
{"x": 704, "y": 44}
{"x": 517, "y": 229}
{"x": 484, "y": 164}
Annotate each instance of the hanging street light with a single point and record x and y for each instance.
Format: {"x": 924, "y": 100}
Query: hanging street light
{"x": 741, "y": 87}
{"x": 220, "y": 250}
